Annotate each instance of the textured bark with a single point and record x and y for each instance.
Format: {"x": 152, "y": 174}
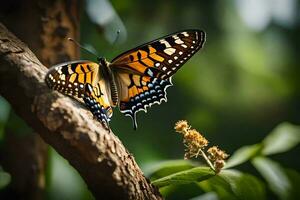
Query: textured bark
{"x": 98, "y": 155}
{"x": 44, "y": 25}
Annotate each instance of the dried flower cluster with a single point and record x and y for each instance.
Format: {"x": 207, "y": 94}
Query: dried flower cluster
{"x": 195, "y": 144}
{"x": 217, "y": 156}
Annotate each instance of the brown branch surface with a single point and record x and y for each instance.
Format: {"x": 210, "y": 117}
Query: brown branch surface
{"x": 98, "y": 155}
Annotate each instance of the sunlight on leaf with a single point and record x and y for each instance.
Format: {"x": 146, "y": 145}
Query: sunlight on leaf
{"x": 233, "y": 184}
{"x": 184, "y": 177}
{"x": 164, "y": 168}
{"x": 207, "y": 196}
{"x": 284, "y": 137}
{"x": 242, "y": 155}
{"x": 274, "y": 175}
{"x": 244, "y": 186}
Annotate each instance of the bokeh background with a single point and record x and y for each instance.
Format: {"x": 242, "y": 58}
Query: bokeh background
{"x": 241, "y": 85}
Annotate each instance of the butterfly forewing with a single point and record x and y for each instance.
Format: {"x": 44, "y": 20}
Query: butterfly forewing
{"x": 149, "y": 68}
{"x": 70, "y": 77}
{"x": 82, "y": 79}
{"x": 161, "y": 58}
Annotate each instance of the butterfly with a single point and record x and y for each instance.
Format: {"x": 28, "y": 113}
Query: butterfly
{"x": 135, "y": 80}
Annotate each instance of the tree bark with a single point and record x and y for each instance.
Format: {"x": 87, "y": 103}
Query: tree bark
{"x": 108, "y": 169}
{"x": 44, "y": 25}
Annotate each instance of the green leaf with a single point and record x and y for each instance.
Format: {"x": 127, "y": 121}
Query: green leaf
{"x": 179, "y": 192}
{"x": 284, "y": 137}
{"x": 242, "y": 155}
{"x": 4, "y": 179}
{"x": 218, "y": 185}
{"x": 184, "y": 177}
{"x": 294, "y": 178}
{"x": 274, "y": 175}
{"x": 4, "y": 114}
{"x": 165, "y": 168}
{"x": 244, "y": 186}
{"x": 207, "y": 196}
{"x": 232, "y": 184}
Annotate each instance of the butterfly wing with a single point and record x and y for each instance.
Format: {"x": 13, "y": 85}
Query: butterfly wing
{"x": 162, "y": 57}
{"x": 144, "y": 73}
{"x": 140, "y": 92}
{"x": 81, "y": 79}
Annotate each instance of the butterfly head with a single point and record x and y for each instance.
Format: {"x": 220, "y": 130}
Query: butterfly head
{"x": 102, "y": 61}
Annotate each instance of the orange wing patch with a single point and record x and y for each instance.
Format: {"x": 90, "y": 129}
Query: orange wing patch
{"x": 140, "y": 92}
{"x": 161, "y": 58}
{"x": 70, "y": 78}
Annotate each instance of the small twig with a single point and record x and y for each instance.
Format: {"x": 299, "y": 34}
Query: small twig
{"x": 207, "y": 160}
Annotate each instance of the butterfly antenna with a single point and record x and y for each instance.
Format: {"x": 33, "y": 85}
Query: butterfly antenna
{"x": 82, "y": 47}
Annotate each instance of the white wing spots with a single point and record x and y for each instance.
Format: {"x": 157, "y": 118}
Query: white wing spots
{"x": 164, "y": 68}
{"x": 194, "y": 41}
{"x": 179, "y": 41}
{"x": 175, "y": 57}
{"x": 149, "y": 72}
{"x": 192, "y": 47}
{"x": 169, "y": 72}
{"x": 69, "y": 85}
{"x": 81, "y": 86}
{"x": 170, "y": 61}
{"x": 169, "y": 51}
{"x": 186, "y": 34}
{"x": 75, "y": 84}
{"x": 157, "y": 64}
{"x": 63, "y": 82}
{"x": 174, "y": 68}
{"x": 59, "y": 70}
{"x": 58, "y": 81}
{"x": 70, "y": 71}
{"x": 62, "y": 77}
{"x": 163, "y": 41}
{"x": 184, "y": 46}
{"x": 176, "y": 64}
{"x": 180, "y": 52}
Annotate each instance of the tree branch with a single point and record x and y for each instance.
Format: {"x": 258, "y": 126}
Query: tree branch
{"x": 98, "y": 155}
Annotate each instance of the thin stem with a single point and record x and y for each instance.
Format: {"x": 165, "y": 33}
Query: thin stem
{"x": 207, "y": 160}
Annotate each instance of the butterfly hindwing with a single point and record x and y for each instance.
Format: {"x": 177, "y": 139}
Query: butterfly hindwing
{"x": 96, "y": 99}
{"x": 81, "y": 79}
{"x": 140, "y": 92}
{"x": 161, "y": 58}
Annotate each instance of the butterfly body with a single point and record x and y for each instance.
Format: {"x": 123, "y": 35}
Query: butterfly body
{"x": 134, "y": 80}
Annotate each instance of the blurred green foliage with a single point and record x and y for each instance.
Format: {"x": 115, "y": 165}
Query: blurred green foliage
{"x": 242, "y": 84}
{"x": 234, "y": 184}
